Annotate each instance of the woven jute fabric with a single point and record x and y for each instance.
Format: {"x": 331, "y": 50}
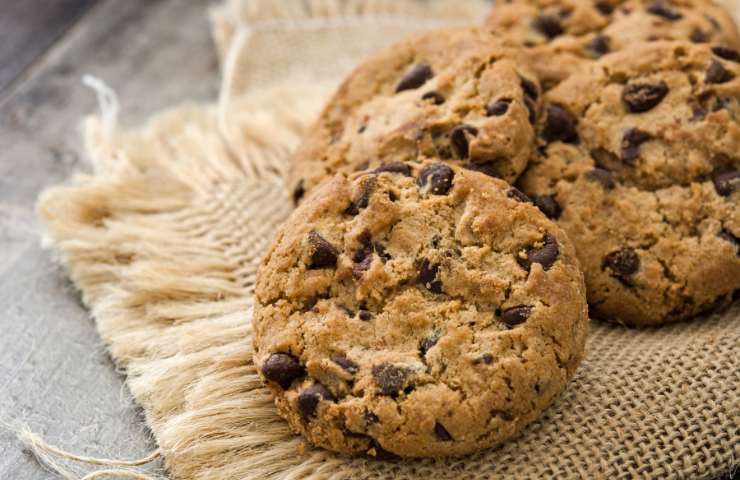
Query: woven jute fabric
{"x": 164, "y": 236}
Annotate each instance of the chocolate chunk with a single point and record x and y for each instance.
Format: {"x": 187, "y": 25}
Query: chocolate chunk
{"x": 532, "y": 109}
{"x": 309, "y": 399}
{"x": 728, "y": 236}
{"x": 604, "y": 177}
{"x": 394, "y": 167}
{"x": 435, "y": 97}
{"x": 415, "y": 77}
{"x": 717, "y": 73}
{"x": 546, "y": 255}
{"x": 363, "y": 257}
{"x": 438, "y": 176}
{"x": 442, "y": 432}
{"x": 517, "y": 195}
{"x": 516, "y": 315}
{"x": 631, "y": 141}
{"x": 428, "y": 276}
{"x": 727, "y": 53}
{"x": 641, "y": 97}
{"x": 488, "y": 168}
{"x": 498, "y": 108}
{"x": 623, "y": 264}
{"x": 298, "y": 192}
{"x": 548, "y": 25}
{"x": 344, "y": 362}
{"x": 604, "y": 7}
{"x": 599, "y": 45}
{"x": 699, "y": 36}
{"x": 390, "y": 378}
{"x": 662, "y": 9}
{"x": 365, "y": 315}
{"x": 323, "y": 254}
{"x": 530, "y": 88}
{"x": 559, "y": 125}
{"x": 428, "y": 343}
{"x": 548, "y": 205}
{"x": 726, "y": 182}
{"x": 282, "y": 368}
{"x": 459, "y": 139}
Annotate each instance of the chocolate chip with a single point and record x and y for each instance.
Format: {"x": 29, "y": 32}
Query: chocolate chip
{"x": 727, "y": 53}
{"x": 370, "y": 418}
{"x": 428, "y": 276}
{"x": 428, "y": 343}
{"x": 699, "y": 36}
{"x": 435, "y": 97}
{"x": 380, "y": 250}
{"x": 530, "y": 88}
{"x": 394, "y": 167}
{"x": 282, "y": 368}
{"x": 559, "y": 125}
{"x": 390, "y": 378}
{"x": 641, "y": 97}
{"x": 309, "y": 399}
{"x": 728, "y": 236}
{"x": 488, "y": 168}
{"x": 599, "y": 45}
{"x": 298, "y": 192}
{"x": 698, "y": 113}
{"x": 323, "y": 254}
{"x": 498, "y": 108}
{"x": 344, "y": 362}
{"x": 360, "y": 130}
{"x": 442, "y": 432}
{"x": 487, "y": 358}
{"x": 516, "y": 315}
{"x": 548, "y": 25}
{"x": 517, "y": 195}
{"x": 623, "y": 264}
{"x": 604, "y": 177}
{"x": 717, "y": 73}
{"x": 438, "y": 176}
{"x": 546, "y": 255}
{"x": 662, "y": 9}
{"x": 604, "y": 7}
{"x": 532, "y": 109}
{"x": 726, "y": 182}
{"x": 631, "y": 141}
{"x": 548, "y": 205}
{"x": 459, "y": 139}
{"x": 365, "y": 315}
{"x": 415, "y": 77}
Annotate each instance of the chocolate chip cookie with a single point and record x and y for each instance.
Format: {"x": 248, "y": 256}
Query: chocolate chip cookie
{"x": 639, "y": 162}
{"x": 458, "y": 94}
{"x": 417, "y": 310}
{"x": 561, "y": 35}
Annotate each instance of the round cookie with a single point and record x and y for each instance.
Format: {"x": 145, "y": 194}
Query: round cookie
{"x": 457, "y": 94}
{"x": 640, "y": 163}
{"x": 422, "y": 310}
{"x": 562, "y": 35}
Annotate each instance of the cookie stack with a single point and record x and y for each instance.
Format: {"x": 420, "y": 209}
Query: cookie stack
{"x": 469, "y": 195}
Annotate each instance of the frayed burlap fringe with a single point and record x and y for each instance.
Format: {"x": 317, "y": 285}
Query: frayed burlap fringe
{"x": 163, "y": 240}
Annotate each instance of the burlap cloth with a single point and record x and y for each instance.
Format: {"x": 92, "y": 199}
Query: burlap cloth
{"x": 164, "y": 237}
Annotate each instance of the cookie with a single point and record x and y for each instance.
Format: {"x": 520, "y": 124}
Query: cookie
{"x": 457, "y": 93}
{"x": 418, "y": 310}
{"x": 640, "y": 164}
{"x": 562, "y": 35}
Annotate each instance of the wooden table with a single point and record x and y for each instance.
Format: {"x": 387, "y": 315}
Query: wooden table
{"x": 55, "y": 375}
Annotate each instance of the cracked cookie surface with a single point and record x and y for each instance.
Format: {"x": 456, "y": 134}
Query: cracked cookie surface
{"x": 562, "y": 35}
{"x": 639, "y": 162}
{"x": 456, "y": 93}
{"x": 420, "y": 309}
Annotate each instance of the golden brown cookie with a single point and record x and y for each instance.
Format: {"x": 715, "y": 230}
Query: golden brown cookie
{"x": 422, "y": 310}
{"x": 640, "y": 163}
{"x": 457, "y": 94}
{"x": 562, "y": 35}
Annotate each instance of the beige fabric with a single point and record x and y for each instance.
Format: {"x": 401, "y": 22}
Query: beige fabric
{"x": 163, "y": 239}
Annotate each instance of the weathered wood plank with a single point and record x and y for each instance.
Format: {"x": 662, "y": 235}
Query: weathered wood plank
{"x": 29, "y": 27}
